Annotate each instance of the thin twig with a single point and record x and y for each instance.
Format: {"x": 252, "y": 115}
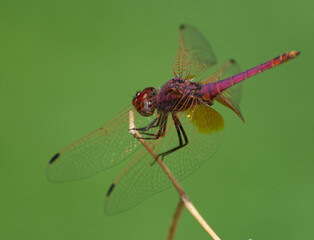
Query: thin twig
{"x": 175, "y": 220}
{"x": 188, "y": 204}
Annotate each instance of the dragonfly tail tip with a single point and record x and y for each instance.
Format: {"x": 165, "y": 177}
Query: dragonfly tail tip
{"x": 293, "y": 54}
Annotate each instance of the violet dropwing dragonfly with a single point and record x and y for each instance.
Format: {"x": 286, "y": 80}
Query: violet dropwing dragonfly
{"x": 178, "y": 121}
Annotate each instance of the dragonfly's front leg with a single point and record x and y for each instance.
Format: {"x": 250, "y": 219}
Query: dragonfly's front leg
{"x": 148, "y": 127}
{"x": 151, "y": 125}
{"x": 161, "y": 131}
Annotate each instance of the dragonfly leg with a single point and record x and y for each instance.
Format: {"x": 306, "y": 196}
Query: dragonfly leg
{"x": 158, "y": 122}
{"x": 148, "y": 127}
{"x": 151, "y": 125}
{"x": 161, "y": 131}
{"x": 180, "y": 130}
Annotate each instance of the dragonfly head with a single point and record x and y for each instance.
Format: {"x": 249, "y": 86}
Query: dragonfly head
{"x": 144, "y": 101}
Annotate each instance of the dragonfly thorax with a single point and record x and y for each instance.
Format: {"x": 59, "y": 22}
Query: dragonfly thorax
{"x": 144, "y": 101}
{"x": 178, "y": 95}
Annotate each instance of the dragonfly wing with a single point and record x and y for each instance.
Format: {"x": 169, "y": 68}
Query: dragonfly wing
{"x": 194, "y": 55}
{"x": 132, "y": 186}
{"x": 101, "y": 149}
{"x": 142, "y": 177}
{"x": 231, "y": 97}
{"x": 207, "y": 120}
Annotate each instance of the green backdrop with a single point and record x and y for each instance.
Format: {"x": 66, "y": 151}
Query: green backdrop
{"x": 68, "y": 66}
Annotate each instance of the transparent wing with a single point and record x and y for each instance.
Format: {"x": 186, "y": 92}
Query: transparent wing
{"x": 142, "y": 178}
{"x": 99, "y": 150}
{"x": 194, "y": 55}
{"x": 231, "y": 97}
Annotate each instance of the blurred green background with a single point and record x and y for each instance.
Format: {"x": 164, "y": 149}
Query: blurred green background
{"x": 68, "y": 66}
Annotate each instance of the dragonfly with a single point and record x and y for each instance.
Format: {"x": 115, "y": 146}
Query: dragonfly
{"x": 178, "y": 121}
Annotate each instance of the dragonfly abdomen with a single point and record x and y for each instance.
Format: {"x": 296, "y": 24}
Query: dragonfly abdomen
{"x": 211, "y": 90}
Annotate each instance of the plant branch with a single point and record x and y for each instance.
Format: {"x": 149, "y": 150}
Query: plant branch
{"x": 175, "y": 220}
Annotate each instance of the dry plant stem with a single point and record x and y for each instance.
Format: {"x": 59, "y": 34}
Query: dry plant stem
{"x": 175, "y": 220}
{"x": 188, "y": 204}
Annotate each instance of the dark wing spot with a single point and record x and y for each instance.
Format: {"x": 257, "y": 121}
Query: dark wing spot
{"x": 232, "y": 61}
{"x": 110, "y": 189}
{"x": 182, "y": 26}
{"x": 54, "y": 158}
{"x": 102, "y": 129}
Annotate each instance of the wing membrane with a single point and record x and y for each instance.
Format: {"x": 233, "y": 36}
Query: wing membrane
{"x": 194, "y": 55}
{"x": 230, "y": 98}
{"x": 207, "y": 120}
{"x": 99, "y": 150}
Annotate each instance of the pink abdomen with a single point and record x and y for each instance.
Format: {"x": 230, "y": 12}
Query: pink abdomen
{"x": 211, "y": 90}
